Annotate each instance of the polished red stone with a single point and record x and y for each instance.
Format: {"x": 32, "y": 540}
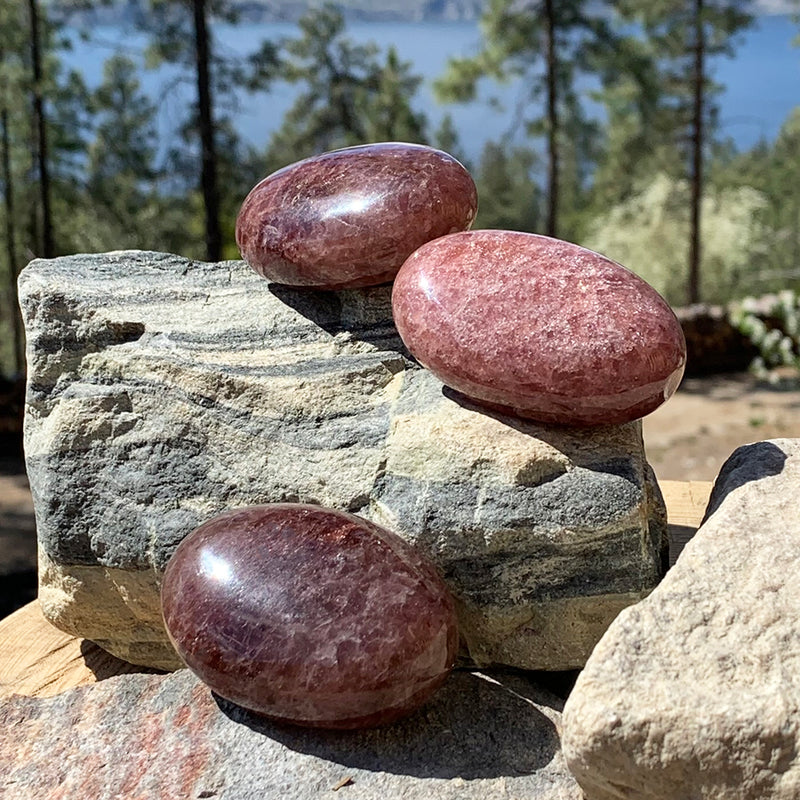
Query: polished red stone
{"x": 309, "y": 616}
{"x": 539, "y": 328}
{"x": 351, "y": 217}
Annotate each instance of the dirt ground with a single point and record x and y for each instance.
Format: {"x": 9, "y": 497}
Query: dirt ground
{"x": 692, "y": 434}
{"x": 688, "y": 438}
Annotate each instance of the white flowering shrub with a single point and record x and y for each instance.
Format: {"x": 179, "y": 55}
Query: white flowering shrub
{"x": 777, "y": 339}
{"x": 649, "y": 234}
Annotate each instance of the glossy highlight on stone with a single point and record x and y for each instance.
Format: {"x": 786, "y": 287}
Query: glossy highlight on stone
{"x": 538, "y": 327}
{"x": 309, "y": 615}
{"x": 351, "y": 217}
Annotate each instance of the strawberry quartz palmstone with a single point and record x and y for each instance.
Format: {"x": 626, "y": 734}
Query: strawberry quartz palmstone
{"x": 539, "y": 328}
{"x": 351, "y": 217}
{"x": 309, "y": 615}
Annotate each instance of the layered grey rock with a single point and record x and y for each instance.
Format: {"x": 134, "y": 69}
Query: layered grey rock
{"x": 155, "y": 737}
{"x": 695, "y": 691}
{"x": 163, "y": 391}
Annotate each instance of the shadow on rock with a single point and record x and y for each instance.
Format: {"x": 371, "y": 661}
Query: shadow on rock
{"x": 572, "y": 441}
{"x": 751, "y": 462}
{"x": 103, "y": 665}
{"x": 363, "y": 314}
{"x": 475, "y": 726}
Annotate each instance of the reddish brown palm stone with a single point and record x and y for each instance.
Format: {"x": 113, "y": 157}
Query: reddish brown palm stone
{"x": 309, "y": 616}
{"x": 351, "y": 217}
{"x": 539, "y": 328}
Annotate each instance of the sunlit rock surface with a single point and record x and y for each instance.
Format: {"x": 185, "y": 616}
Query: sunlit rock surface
{"x": 695, "y": 691}
{"x": 154, "y": 737}
{"x": 164, "y": 391}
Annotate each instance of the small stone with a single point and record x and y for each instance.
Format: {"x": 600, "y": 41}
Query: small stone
{"x": 351, "y": 217}
{"x": 539, "y": 328}
{"x": 310, "y": 616}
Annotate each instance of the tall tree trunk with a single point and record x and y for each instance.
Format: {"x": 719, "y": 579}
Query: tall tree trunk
{"x": 208, "y": 175}
{"x": 552, "y": 119}
{"x": 33, "y": 242}
{"x": 40, "y": 123}
{"x": 11, "y": 249}
{"x": 698, "y": 135}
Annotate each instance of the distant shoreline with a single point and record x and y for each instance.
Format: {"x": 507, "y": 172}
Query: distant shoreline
{"x": 131, "y": 12}
{"x": 124, "y": 12}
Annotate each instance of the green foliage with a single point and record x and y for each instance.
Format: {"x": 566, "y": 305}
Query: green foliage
{"x": 665, "y": 111}
{"x": 181, "y": 33}
{"x": 170, "y": 26}
{"x": 623, "y": 184}
{"x": 125, "y": 136}
{"x": 654, "y": 103}
{"x": 386, "y": 112}
{"x": 509, "y": 197}
{"x": 446, "y": 138}
{"x": 349, "y": 97}
{"x": 547, "y": 45}
{"x": 774, "y": 170}
{"x": 646, "y": 233}
{"x": 630, "y": 148}
{"x": 64, "y": 102}
{"x": 778, "y": 340}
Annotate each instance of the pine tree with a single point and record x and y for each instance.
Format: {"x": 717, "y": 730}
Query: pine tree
{"x": 446, "y": 138}
{"x": 40, "y": 126}
{"x": 681, "y": 40}
{"x": 385, "y": 110}
{"x": 509, "y": 196}
{"x": 45, "y": 127}
{"x": 545, "y": 44}
{"x": 40, "y": 143}
{"x": 119, "y": 207}
{"x": 12, "y": 91}
{"x": 181, "y": 33}
{"x": 349, "y": 97}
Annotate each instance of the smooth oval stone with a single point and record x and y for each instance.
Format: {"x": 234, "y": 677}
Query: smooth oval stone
{"x": 309, "y": 616}
{"x": 539, "y": 328}
{"x": 351, "y": 217}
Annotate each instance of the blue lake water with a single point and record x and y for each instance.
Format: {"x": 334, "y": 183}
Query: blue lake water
{"x": 762, "y": 81}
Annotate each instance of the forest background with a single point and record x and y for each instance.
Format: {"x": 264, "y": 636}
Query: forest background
{"x": 652, "y": 180}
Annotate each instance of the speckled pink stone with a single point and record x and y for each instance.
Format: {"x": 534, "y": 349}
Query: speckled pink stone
{"x": 539, "y": 328}
{"x": 310, "y": 616}
{"x": 351, "y": 217}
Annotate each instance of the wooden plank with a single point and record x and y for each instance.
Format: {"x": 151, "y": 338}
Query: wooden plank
{"x": 686, "y": 504}
{"x": 39, "y": 660}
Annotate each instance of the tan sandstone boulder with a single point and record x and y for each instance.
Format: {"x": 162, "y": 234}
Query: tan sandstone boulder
{"x": 694, "y": 693}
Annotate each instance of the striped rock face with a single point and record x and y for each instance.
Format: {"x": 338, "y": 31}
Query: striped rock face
{"x": 351, "y": 217}
{"x": 163, "y": 392}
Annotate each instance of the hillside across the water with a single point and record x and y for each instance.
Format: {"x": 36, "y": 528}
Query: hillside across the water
{"x": 118, "y": 12}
